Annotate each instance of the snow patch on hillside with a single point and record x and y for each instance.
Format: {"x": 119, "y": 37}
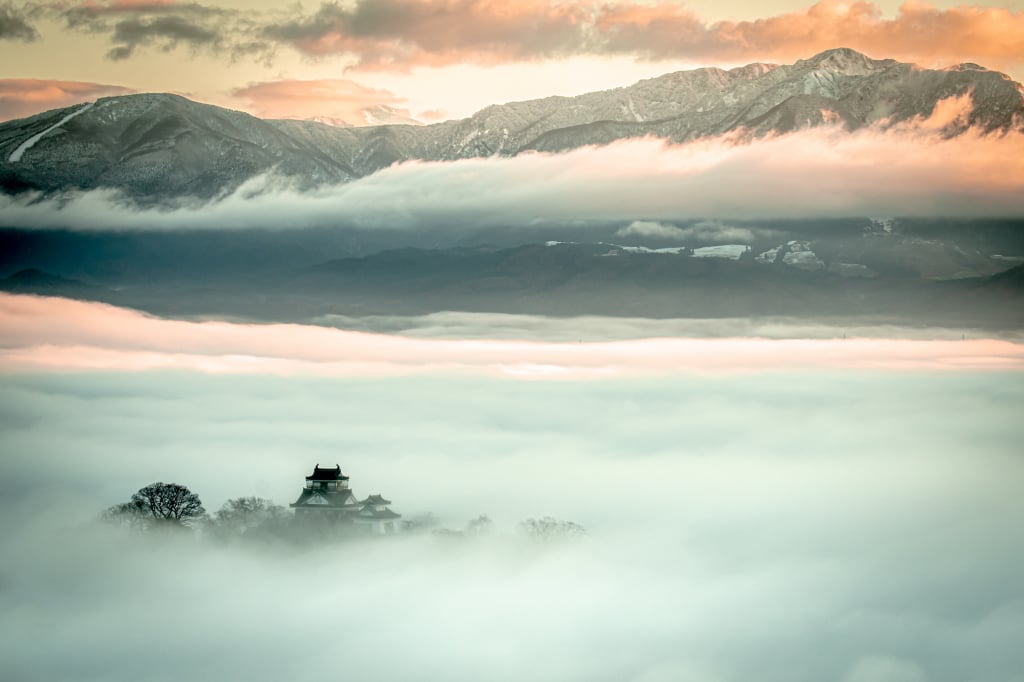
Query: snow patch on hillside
{"x": 801, "y": 256}
{"x": 768, "y": 256}
{"x": 643, "y": 249}
{"x": 730, "y": 251}
{"x": 30, "y": 142}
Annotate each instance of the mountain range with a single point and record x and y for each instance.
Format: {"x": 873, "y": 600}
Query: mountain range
{"x": 157, "y": 146}
{"x": 154, "y": 148}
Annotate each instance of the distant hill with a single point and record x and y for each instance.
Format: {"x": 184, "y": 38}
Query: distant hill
{"x": 155, "y": 146}
{"x": 885, "y": 277}
{"x": 34, "y": 281}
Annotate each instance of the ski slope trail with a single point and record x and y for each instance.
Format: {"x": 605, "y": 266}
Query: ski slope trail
{"x": 30, "y": 142}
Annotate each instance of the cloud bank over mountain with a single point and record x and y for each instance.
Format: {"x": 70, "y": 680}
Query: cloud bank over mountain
{"x": 911, "y": 170}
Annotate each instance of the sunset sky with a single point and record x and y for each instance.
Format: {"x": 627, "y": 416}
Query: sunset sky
{"x": 437, "y": 59}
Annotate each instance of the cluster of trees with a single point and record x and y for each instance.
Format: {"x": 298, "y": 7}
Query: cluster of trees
{"x": 161, "y": 506}
{"x": 173, "y": 506}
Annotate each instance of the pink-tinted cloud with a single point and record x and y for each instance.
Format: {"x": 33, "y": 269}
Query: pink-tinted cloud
{"x": 401, "y": 33}
{"x": 333, "y": 98}
{"x": 21, "y": 97}
{"x": 41, "y": 334}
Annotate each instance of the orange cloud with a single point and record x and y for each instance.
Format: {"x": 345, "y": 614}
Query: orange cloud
{"x": 21, "y": 97}
{"x": 63, "y": 335}
{"x": 336, "y": 99}
{"x": 402, "y": 33}
{"x": 919, "y": 33}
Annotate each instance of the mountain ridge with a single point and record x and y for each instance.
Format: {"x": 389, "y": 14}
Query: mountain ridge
{"x": 153, "y": 146}
{"x": 559, "y": 279}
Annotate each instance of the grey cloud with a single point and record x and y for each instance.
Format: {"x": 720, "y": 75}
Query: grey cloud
{"x": 864, "y": 526}
{"x": 169, "y": 32}
{"x": 405, "y": 31}
{"x": 134, "y": 26}
{"x": 15, "y": 23}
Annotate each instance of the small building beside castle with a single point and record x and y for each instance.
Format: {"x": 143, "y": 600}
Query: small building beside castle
{"x": 326, "y": 497}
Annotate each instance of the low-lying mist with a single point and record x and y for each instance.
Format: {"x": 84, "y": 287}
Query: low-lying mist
{"x": 931, "y": 167}
{"x": 814, "y": 525}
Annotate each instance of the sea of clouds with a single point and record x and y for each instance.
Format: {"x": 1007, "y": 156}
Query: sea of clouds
{"x": 778, "y": 525}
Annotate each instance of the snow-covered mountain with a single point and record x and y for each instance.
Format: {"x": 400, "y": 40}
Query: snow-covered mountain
{"x": 157, "y": 145}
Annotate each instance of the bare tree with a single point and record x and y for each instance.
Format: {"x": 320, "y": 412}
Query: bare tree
{"x": 126, "y": 515}
{"x": 245, "y": 515}
{"x": 549, "y": 529}
{"x": 168, "y": 502}
{"x": 481, "y": 525}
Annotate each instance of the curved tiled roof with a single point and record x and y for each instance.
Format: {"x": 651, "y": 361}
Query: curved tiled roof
{"x": 324, "y": 474}
{"x": 326, "y": 499}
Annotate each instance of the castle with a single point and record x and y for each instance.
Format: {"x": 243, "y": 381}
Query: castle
{"x": 326, "y": 497}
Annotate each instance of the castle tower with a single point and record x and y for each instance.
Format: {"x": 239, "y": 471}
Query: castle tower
{"x": 326, "y": 494}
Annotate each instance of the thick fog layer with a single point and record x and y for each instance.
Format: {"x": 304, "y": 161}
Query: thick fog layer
{"x": 776, "y": 526}
{"x": 913, "y": 169}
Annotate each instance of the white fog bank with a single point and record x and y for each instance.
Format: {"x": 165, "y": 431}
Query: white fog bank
{"x": 784, "y": 527}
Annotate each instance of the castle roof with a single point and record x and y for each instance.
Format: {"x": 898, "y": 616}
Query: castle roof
{"x": 341, "y": 499}
{"x": 371, "y": 513}
{"x": 324, "y": 474}
{"x": 375, "y": 499}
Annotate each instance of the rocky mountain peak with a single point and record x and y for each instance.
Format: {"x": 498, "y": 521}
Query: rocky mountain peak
{"x": 846, "y": 61}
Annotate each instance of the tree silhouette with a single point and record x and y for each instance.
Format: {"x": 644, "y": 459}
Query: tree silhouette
{"x": 481, "y": 525}
{"x": 158, "y": 503}
{"x": 169, "y": 502}
{"x": 549, "y": 529}
{"x": 245, "y": 516}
